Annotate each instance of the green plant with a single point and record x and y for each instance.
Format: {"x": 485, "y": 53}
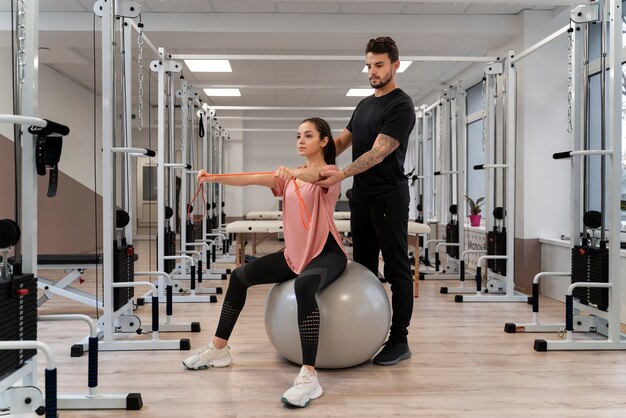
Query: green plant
{"x": 475, "y": 206}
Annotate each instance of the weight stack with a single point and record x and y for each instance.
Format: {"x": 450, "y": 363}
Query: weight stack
{"x": 591, "y": 265}
{"x": 170, "y": 249}
{"x": 18, "y": 310}
{"x": 452, "y": 236}
{"x": 123, "y": 272}
{"x": 190, "y": 230}
{"x": 496, "y": 245}
{"x": 194, "y": 231}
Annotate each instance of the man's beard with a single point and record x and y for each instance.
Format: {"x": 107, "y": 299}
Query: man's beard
{"x": 381, "y": 84}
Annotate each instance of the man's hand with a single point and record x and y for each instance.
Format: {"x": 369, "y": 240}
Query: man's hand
{"x": 308, "y": 174}
{"x": 330, "y": 176}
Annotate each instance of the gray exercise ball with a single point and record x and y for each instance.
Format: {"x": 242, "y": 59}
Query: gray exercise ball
{"x": 354, "y": 319}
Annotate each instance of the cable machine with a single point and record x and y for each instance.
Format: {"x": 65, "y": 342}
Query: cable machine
{"x": 451, "y": 184}
{"x": 499, "y": 285}
{"x": 41, "y": 150}
{"x": 119, "y": 257}
{"x": 593, "y": 299}
{"x": 213, "y": 159}
{"x": 492, "y": 74}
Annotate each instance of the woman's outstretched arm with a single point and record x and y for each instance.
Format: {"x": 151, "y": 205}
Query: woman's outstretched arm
{"x": 237, "y": 179}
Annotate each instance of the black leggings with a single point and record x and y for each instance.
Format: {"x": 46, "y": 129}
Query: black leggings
{"x": 273, "y": 268}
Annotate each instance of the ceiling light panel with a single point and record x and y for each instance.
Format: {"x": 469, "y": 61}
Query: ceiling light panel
{"x": 222, "y": 92}
{"x": 360, "y": 92}
{"x": 209, "y": 66}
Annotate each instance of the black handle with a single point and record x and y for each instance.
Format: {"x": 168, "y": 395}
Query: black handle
{"x": 479, "y": 167}
{"x": 462, "y": 270}
{"x": 155, "y": 313}
{"x": 50, "y": 128}
{"x": 561, "y": 155}
{"x": 535, "y": 297}
{"x": 437, "y": 173}
{"x": 169, "y": 299}
{"x": 92, "y": 370}
{"x": 150, "y": 153}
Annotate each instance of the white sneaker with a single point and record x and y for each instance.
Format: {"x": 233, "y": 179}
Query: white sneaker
{"x": 305, "y": 388}
{"x": 209, "y": 356}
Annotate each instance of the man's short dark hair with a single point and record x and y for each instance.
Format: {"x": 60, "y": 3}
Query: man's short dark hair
{"x": 383, "y": 45}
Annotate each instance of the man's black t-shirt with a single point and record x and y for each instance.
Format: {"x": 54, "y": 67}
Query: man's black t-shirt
{"x": 393, "y": 115}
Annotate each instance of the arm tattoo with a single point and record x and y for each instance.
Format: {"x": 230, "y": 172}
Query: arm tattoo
{"x": 383, "y": 146}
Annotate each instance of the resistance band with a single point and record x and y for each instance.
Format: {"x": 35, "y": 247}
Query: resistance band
{"x": 306, "y": 223}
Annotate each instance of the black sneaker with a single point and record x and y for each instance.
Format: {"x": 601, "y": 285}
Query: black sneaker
{"x": 393, "y": 352}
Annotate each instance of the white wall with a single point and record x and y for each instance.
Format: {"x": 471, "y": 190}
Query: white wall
{"x": 65, "y": 102}
{"x": 543, "y": 184}
{"x": 6, "y": 87}
{"x": 234, "y": 163}
{"x": 264, "y": 151}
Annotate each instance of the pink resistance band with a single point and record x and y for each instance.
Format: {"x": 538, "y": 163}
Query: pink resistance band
{"x": 306, "y": 223}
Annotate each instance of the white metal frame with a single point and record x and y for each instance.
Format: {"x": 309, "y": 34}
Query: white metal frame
{"x": 110, "y": 317}
{"x": 452, "y": 106}
{"x": 588, "y": 318}
{"x": 505, "y": 284}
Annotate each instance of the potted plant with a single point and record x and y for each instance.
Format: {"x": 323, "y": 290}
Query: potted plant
{"x": 475, "y": 210}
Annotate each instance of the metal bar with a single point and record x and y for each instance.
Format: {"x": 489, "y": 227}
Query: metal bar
{"x": 171, "y": 146}
{"x": 603, "y": 118}
{"x": 461, "y": 141}
{"x": 23, "y": 120}
{"x": 304, "y": 86}
{"x": 31, "y": 345}
{"x": 539, "y": 44}
{"x": 160, "y": 165}
{"x": 108, "y": 209}
{"x": 591, "y": 152}
{"x": 259, "y": 57}
{"x": 276, "y": 118}
{"x": 184, "y": 108}
{"x": 511, "y": 132}
{"x": 579, "y": 115}
{"x": 127, "y": 125}
{"x": 30, "y": 106}
{"x": 271, "y": 130}
{"x": 615, "y": 168}
{"x": 334, "y": 108}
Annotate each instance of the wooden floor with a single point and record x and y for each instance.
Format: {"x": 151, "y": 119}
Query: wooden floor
{"x": 463, "y": 365}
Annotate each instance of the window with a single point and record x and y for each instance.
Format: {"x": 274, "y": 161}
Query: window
{"x": 593, "y": 169}
{"x": 476, "y": 179}
{"x": 149, "y": 183}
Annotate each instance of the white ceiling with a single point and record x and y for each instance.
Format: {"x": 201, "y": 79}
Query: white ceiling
{"x": 259, "y": 27}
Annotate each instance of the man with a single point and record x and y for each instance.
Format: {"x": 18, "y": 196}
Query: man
{"x": 379, "y": 132}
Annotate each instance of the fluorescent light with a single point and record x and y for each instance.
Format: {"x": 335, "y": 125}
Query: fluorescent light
{"x": 209, "y": 66}
{"x": 360, "y": 92}
{"x": 403, "y": 66}
{"x": 222, "y": 92}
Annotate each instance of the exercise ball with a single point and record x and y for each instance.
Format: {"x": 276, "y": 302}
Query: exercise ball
{"x": 354, "y": 319}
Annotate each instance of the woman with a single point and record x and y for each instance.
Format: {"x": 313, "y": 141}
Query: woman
{"x": 313, "y": 255}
